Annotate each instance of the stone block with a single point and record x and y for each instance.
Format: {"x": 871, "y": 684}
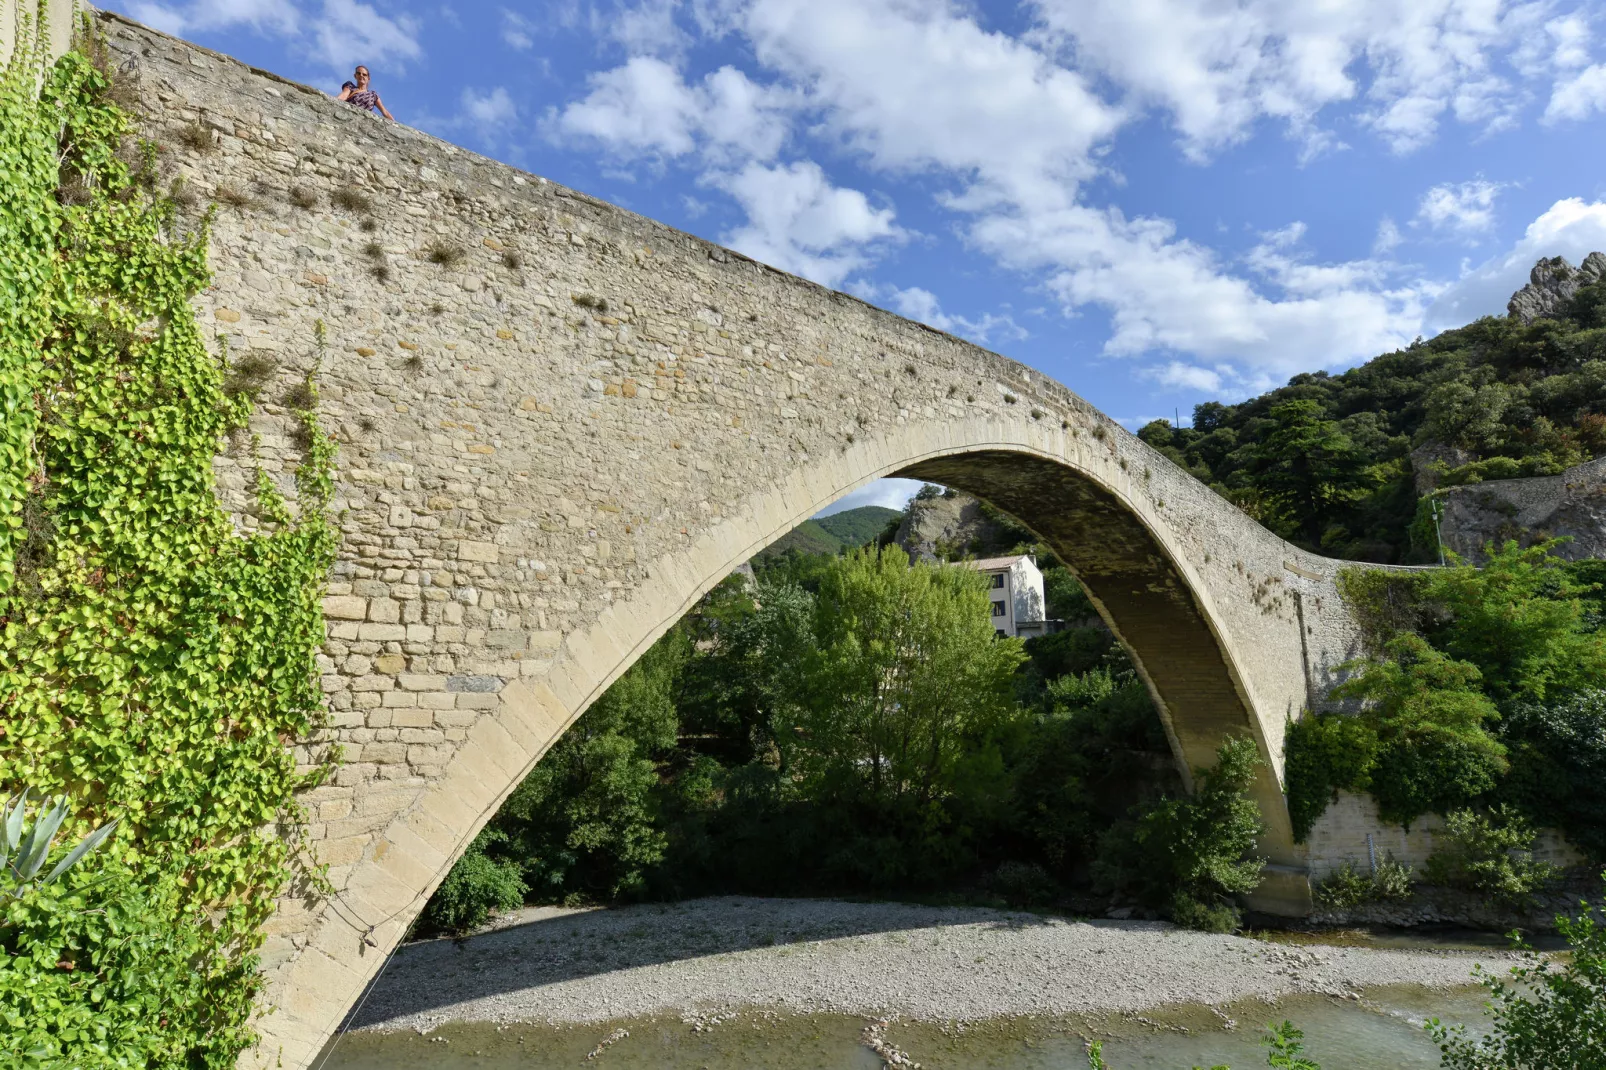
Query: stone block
{"x": 412, "y": 718}
{"x": 382, "y": 633}
{"x": 384, "y": 610}
{"x": 484, "y": 552}
{"x": 345, "y": 607}
{"x": 475, "y": 684}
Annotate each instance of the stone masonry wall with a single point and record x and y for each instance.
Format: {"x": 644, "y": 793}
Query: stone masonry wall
{"x": 560, "y": 423}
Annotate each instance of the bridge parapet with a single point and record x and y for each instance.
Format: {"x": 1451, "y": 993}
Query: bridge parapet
{"x": 561, "y": 423}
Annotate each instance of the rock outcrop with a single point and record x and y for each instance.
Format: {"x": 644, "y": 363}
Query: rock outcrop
{"x": 1552, "y": 284}
{"x": 1572, "y": 504}
{"x": 946, "y": 527}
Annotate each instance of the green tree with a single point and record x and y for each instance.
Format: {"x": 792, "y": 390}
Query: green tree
{"x": 907, "y": 676}
{"x": 1522, "y": 619}
{"x": 1306, "y": 464}
{"x": 583, "y": 823}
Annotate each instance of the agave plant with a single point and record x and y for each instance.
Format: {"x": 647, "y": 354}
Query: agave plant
{"x": 24, "y": 849}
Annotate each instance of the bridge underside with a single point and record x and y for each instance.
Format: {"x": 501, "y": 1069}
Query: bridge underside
{"x": 1151, "y": 608}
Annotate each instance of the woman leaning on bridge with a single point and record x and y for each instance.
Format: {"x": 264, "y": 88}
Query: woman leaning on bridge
{"x": 358, "y": 95}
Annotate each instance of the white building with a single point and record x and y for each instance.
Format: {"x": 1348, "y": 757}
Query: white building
{"x": 1016, "y": 589}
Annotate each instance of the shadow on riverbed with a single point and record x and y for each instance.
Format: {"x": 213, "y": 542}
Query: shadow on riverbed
{"x": 438, "y": 973}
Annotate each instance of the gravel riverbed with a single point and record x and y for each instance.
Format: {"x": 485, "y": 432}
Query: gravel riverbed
{"x": 810, "y": 956}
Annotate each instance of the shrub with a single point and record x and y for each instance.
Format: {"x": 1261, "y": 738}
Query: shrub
{"x": 1343, "y": 888}
{"x": 1392, "y": 881}
{"x": 1324, "y": 754}
{"x": 1490, "y": 853}
{"x": 303, "y": 198}
{"x": 1547, "y": 1014}
{"x": 1194, "y": 853}
{"x": 476, "y": 887}
{"x": 1023, "y": 883}
{"x": 1348, "y": 887}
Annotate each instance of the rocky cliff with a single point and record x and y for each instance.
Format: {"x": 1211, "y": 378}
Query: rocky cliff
{"x": 1571, "y": 505}
{"x": 945, "y": 527}
{"x": 1552, "y": 284}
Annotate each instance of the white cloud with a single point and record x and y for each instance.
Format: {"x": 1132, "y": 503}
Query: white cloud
{"x": 1461, "y": 207}
{"x": 1579, "y": 97}
{"x": 799, "y": 222}
{"x": 1388, "y": 237}
{"x": 342, "y": 34}
{"x": 914, "y": 86}
{"x": 921, "y": 304}
{"x": 518, "y": 32}
{"x": 645, "y": 107}
{"x": 888, "y": 493}
{"x": 264, "y": 16}
{"x": 1218, "y": 68}
{"x": 347, "y": 33}
{"x": 1572, "y": 228}
{"x": 924, "y": 88}
{"x": 491, "y": 113}
{"x": 645, "y": 27}
{"x": 1012, "y": 128}
{"x": 1180, "y": 376}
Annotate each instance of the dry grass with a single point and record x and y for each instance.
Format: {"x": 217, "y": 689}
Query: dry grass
{"x": 303, "y": 198}
{"x": 352, "y": 200}
{"x": 591, "y": 301}
{"x": 443, "y": 253}
{"x": 250, "y": 374}
{"x": 196, "y": 138}
{"x": 512, "y": 260}
{"x": 414, "y": 363}
{"x": 233, "y": 196}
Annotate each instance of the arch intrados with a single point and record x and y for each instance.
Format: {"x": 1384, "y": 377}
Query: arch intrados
{"x": 1146, "y": 593}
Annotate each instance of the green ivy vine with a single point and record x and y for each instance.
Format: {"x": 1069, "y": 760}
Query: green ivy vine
{"x": 155, "y": 664}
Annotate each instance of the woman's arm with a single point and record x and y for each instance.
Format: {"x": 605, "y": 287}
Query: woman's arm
{"x": 382, "y": 109}
{"x": 345, "y": 92}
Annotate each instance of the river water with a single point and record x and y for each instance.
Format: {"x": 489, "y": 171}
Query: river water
{"x": 1384, "y": 1032}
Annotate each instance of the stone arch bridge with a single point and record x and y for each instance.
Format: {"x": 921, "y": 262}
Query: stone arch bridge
{"x": 561, "y": 423}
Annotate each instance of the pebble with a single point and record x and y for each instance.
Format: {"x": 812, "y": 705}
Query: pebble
{"x": 703, "y": 958}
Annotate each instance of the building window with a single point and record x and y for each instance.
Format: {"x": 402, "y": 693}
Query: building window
{"x": 998, "y": 581}
{"x": 1001, "y": 634}
{"x": 998, "y": 609}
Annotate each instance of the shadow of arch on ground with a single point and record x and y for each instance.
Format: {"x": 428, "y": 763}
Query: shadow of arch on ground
{"x": 1098, "y": 498}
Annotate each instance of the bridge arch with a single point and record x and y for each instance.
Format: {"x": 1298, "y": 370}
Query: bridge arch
{"x": 1126, "y": 521}
{"x": 556, "y": 438}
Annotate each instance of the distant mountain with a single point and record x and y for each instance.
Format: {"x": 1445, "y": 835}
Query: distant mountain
{"x": 855, "y": 527}
{"x": 834, "y": 533}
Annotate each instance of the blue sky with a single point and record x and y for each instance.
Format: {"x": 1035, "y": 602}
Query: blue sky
{"x": 1157, "y": 202}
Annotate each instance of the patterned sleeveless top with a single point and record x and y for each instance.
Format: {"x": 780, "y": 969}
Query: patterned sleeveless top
{"x": 366, "y": 99}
